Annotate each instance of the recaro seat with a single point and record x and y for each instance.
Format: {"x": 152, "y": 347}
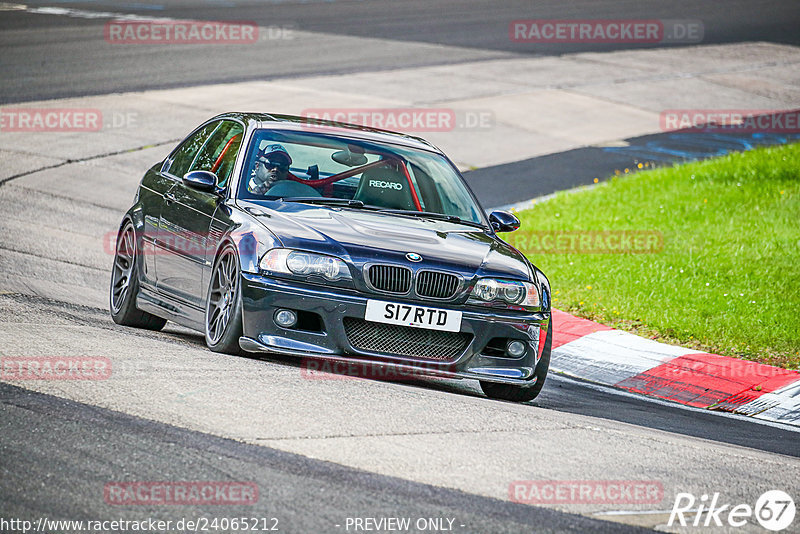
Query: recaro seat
{"x": 385, "y": 187}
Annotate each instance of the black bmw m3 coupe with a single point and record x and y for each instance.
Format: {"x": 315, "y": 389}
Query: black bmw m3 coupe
{"x": 280, "y": 234}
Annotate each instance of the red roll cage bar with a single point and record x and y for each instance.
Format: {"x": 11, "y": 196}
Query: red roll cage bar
{"x": 356, "y": 170}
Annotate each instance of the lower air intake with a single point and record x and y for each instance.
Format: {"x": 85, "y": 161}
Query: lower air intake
{"x": 405, "y": 341}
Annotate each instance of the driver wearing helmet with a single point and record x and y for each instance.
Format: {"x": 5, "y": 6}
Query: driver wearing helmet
{"x": 272, "y": 166}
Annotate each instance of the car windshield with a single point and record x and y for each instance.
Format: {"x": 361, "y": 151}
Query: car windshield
{"x": 374, "y": 175}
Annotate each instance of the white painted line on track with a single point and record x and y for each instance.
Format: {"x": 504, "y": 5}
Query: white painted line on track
{"x": 642, "y": 512}
{"x": 78, "y": 13}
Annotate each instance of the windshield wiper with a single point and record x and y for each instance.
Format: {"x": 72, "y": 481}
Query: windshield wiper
{"x": 358, "y": 204}
{"x": 326, "y": 201}
{"x": 434, "y": 215}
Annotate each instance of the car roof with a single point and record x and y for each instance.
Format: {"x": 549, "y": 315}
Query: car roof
{"x": 294, "y": 122}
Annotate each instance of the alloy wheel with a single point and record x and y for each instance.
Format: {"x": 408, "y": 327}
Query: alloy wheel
{"x": 224, "y": 287}
{"x": 123, "y": 268}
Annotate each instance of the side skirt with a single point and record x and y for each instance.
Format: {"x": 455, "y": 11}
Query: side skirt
{"x": 171, "y": 309}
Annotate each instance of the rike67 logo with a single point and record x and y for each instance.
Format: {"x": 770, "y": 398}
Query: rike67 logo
{"x": 774, "y": 510}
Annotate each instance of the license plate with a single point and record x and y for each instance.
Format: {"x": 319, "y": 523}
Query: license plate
{"x": 414, "y": 316}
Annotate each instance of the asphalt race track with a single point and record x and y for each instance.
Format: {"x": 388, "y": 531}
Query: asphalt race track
{"x": 59, "y": 56}
{"x": 303, "y": 494}
{"x": 321, "y": 450}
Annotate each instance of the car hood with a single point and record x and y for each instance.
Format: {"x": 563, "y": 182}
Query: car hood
{"x": 362, "y": 236}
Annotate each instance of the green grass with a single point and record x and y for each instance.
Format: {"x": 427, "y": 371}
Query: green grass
{"x": 728, "y": 277}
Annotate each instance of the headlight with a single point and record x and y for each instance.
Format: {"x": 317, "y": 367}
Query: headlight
{"x": 286, "y": 261}
{"x": 508, "y": 293}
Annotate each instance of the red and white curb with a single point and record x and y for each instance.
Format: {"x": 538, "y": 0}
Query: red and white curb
{"x": 598, "y": 353}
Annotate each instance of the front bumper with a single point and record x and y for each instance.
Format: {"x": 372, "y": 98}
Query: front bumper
{"x": 262, "y": 296}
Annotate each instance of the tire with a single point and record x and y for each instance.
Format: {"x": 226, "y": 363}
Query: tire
{"x": 125, "y": 285}
{"x": 223, "y": 317}
{"x": 513, "y": 393}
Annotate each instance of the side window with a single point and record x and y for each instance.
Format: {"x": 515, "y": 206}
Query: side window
{"x": 219, "y": 152}
{"x": 187, "y": 152}
{"x": 227, "y": 159}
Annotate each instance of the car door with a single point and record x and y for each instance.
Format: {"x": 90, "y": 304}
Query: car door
{"x": 157, "y": 183}
{"x": 151, "y": 198}
{"x": 186, "y": 219}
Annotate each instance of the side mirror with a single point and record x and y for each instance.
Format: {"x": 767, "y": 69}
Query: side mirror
{"x": 201, "y": 180}
{"x": 503, "y": 221}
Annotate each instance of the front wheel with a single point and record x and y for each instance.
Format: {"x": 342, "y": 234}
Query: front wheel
{"x": 125, "y": 285}
{"x": 514, "y": 393}
{"x": 224, "y": 304}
